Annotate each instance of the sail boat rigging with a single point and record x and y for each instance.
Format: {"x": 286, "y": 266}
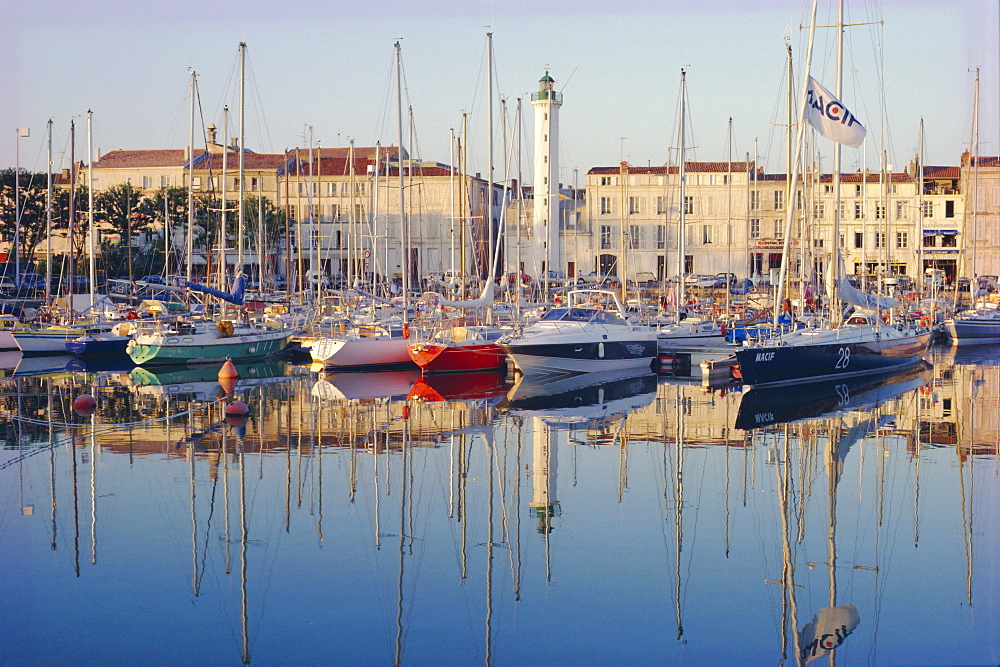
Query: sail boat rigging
{"x": 862, "y": 343}
{"x": 199, "y": 339}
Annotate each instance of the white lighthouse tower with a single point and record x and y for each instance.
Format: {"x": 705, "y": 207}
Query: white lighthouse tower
{"x": 545, "y": 241}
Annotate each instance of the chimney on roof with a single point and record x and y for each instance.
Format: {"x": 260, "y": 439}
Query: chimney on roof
{"x": 234, "y": 142}
{"x": 65, "y": 172}
{"x": 211, "y": 133}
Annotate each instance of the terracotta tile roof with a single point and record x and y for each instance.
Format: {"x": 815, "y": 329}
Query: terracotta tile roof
{"x": 942, "y": 172}
{"x": 360, "y": 152}
{"x": 121, "y": 159}
{"x": 987, "y": 161}
{"x": 251, "y": 161}
{"x": 876, "y": 177}
{"x": 689, "y": 167}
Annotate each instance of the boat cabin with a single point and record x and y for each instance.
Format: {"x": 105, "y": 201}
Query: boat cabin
{"x": 583, "y": 316}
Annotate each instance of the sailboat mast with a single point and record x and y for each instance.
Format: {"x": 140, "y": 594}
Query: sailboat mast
{"x": 679, "y": 288}
{"x": 488, "y": 209}
{"x": 223, "y": 209}
{"x": 920, "y": 206}
{"x": 836, "y": 311}
{"x": 790, "y": 209}
{"x": 451, "y": 183}
{"x": 974, "y": 141}
{"x": 242, "y": 186}
{"x": 48, "y": 216}
{"x": 90, "y": 209}
{"x": 189, "y": 250}
{"x": 405, "y": 231}
{"x": 72, "y": 207}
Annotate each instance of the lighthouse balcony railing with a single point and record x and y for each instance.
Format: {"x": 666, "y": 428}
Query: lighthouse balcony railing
{"x": 547, "y": 95}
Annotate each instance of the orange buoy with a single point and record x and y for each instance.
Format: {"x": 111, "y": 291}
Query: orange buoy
{"x": 239, "y": 423}
{"x": 237, "y": 409}
{"x": 228, "y": 384}
{"x": 228, "y": 370}
{"x": 85, "y": 405}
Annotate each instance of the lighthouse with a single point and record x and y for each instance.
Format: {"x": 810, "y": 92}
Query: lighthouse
{"x": 545, "y": 241}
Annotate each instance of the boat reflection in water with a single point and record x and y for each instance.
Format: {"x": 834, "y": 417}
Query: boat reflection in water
{"x": 359, "y": 386}
{"x": 202, "y": 381}
{"x": 764, "y": 406}
{"x": 484, "y": 385}
{"x": 582, "y": 397}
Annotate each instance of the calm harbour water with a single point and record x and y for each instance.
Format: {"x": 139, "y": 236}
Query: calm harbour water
{"x": 360, "y": 519}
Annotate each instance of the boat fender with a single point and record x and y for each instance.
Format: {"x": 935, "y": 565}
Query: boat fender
{"x": 406, "y": 329}
{"x": 925, "y": 320}
{"x": 131, "y": 315}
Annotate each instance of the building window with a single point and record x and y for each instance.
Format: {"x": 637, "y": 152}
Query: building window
{"x": 879, "y": 239}
{"x": 859, "y": 240}
{"x": 634, "y": 205}
{"x": 879, "y": 211}
{"x": 928, "y": 207}
{"x": 949, "y": 241}
{"x": 253, "y": 183}
{"x": 661, "y": 206}
{"x": 605, "y": 237}
{"x": 688, "y": 205}
{"x": 900, "y": 210}
{"x": 819, "y": 210}
{"x": 930, "y": 241}
{"x": 147, "y": 182}
{"x": 828, "y": 189}
{"x": 605, "y": 205}
{"x": 661, "y": 237}
{"x": 779, "y": 229}
{"x": 949, "y": 208}
{"x": 857, "y": 190}
{"x": 754, "y": 200}
{"x": 633, "y": 236}
{"x": 605, "y": 180}
{"x": 164, "y": 181}
{"x": 817, "y": 243}
{"x": 196, "y": 184}
{"x": 902, "y": 240}
{"x": 843, "y": 241}
{"x": 331, "y": 189}
{"x": 859, "y": 210}
{"x": 755, "y": 228}
{"x": 706, "y": 234}
{"x": 779, "y": 200}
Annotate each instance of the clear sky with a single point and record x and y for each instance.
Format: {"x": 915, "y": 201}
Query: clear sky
{"x": 328, "y": 64}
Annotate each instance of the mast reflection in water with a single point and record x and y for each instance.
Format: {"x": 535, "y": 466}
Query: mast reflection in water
{"x": 388, "y": 519}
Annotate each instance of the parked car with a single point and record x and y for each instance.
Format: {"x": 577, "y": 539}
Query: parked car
{"x": 75, "y": 284}
{"x": 646, "y": 279}
{"x": 599, "y": 278}
{"x": 725, "y": 279}
{"x": 32, "y": 282}
{"x": 556, "y": 279}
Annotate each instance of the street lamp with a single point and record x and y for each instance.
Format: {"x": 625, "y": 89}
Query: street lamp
{"x": 21, "y": 132}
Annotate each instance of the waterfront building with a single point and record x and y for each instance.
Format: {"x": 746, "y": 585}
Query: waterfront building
{"x": 980, "y": 183}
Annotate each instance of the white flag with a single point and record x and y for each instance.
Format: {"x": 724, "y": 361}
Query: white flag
{"x": 23, "y": 132}
{"x": 831, "y": 118}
